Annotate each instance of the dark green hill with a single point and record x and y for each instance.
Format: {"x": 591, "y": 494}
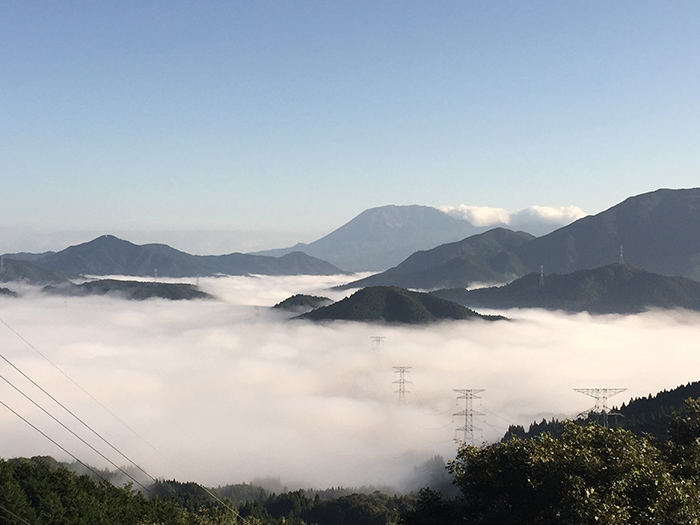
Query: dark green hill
{"x": 108, "y": 255}
{"x": 8, "y": 293}
{"x": 486, "y": 257}
{"x": 135, "y": 290}
{"x": 391, "y": 304}
{"x": 616, "y": 288}
{"x": 301, "y": 303}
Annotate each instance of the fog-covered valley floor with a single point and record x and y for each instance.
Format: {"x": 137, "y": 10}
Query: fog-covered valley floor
{"x": 230, "y": 391}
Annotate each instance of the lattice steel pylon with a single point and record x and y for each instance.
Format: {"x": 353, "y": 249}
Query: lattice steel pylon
{"x": 377, "y": 340}
{"x": 468, "y": 428}
{"x": 601, "y": 396}
{"x": 401, "y": 381}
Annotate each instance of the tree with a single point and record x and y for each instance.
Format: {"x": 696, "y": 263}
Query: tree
{"x": 589, "y": 475}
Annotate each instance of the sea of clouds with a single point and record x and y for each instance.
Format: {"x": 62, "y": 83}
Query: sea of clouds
{"x": 229, "y": 391}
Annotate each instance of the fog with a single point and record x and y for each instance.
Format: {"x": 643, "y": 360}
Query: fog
{"x": 228, "y": 391}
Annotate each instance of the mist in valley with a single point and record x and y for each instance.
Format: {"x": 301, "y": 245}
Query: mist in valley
{"x": 229, "y": 391}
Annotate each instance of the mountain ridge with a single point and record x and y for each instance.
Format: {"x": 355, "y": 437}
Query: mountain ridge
{"x": 657, "y": 231}
{"x": 391, "y": 304}
{"x": 615, "y": 288}
{"x": 109, "y": 255}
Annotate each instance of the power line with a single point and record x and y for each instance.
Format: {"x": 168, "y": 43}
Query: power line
{"x": 216, "y": 498}
{"x": 30, "y": 345}
{"x": 75, "y": 416}
{"x": 81, "y": 439}
{"x": 8, "y": 511}
{"x": 53, "y": 441}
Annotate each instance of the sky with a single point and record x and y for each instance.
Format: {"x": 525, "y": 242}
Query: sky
{"x": 263, "y": 124}
{"x": 228, "y": 391}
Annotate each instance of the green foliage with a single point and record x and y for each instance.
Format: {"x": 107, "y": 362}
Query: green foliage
{"x": 590, "y": 474}
{"x": 39, "y": 491}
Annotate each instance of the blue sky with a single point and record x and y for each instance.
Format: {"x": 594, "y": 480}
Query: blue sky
{"x": 286, "y": 119}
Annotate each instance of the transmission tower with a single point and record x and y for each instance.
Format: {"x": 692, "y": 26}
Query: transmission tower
{"x": 601, "y": 396}
{"x": 622, "y": 257}
{"x": 401, "y": 381}
{"x": 377, "y": 340}
{"x": 541, "y": 275}
{"x": 468, "y": 428}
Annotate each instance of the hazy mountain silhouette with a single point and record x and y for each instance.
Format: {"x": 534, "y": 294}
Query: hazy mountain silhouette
{"x": 391, "y": 304}
{"x": 380, "y": 238}
{"x": 616, "y": 288}
{"x": 108, "y": 255}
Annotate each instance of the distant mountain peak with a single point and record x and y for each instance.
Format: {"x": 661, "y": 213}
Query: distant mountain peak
{"x": 381, "y": 237}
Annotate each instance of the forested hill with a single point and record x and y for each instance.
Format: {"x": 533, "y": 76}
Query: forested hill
{"x": 391, "y": 304}
{"x": 616, "y": 288}
{"x": 134, "y": 290}
{"x": 646, "y": 415}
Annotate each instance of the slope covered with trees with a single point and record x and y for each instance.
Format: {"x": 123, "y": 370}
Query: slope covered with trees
{"x": 391, "y": 304}
{"x": 651, "y": 415}
{"x": 135, "y": 290}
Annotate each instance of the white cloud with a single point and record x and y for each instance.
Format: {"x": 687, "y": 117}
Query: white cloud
{"x": 478, "y": 215}
{"x": 546, "y": 214}
{"x": 537, "y": 220}
{"x": 231, "y": 391}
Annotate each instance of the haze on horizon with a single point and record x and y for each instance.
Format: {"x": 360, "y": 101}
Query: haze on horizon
{"x": 230, "y": 391}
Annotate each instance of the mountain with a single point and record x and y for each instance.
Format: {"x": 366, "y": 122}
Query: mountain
{"x": 108, "y": 255}
{"x": 391, "y": 304}
{"x": 380, "y": 238}
{"x": 7, "y": 292}
{"x": 657, "y": 231}
{"x": 301, "y": 303}
{"x": 134, "y": 290}
{"x": 616, "y": 288}
{"x": 486, "y": 257}
{"x": 22, "y": 270}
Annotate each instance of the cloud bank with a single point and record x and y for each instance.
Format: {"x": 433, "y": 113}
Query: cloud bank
{"x": 229, "y": 391}
{"x": 537, "y": 220}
